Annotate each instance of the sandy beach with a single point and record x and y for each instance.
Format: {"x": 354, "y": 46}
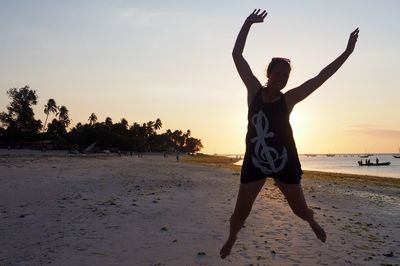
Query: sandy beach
{"x": 57, "y": 209}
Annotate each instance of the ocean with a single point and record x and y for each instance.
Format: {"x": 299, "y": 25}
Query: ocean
{"x": 347, "y": 164}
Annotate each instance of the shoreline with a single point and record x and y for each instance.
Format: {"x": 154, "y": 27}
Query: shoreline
{"x": 350, "y": 165}
{"x": 229, "y": 163}
{"x": 375, "y": 180}
{"x": 213, "y": 160}
{"x": 216, "y": 160}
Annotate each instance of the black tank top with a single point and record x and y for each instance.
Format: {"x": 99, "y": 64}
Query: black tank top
{"x": 270, "y": 146}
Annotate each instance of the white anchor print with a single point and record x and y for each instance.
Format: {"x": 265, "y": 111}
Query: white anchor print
{"x": 265, "y": 157}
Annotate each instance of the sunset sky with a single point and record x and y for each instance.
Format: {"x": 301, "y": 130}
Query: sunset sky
{"x": 143, "y": 60}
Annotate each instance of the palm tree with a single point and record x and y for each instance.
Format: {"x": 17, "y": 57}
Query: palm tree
{"x": 187, "y": 134}
{"x": 149, "y": 128}
{"x": 50, "y": 107}
{"x": 157, "y": 124}
{"x": 135, "y": 129}
{"x": 178, "y": 139}
{"x": 124, "y": 123}
{"x": 92, "y": 119}
{"x": 63, "y": 116}
{"x": 109, "y": 122}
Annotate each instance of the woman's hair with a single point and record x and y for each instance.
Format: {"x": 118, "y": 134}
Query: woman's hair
{"x": 276, "y": 61}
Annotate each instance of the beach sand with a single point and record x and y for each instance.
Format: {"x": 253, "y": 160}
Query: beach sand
{"x": 108, "y": 210}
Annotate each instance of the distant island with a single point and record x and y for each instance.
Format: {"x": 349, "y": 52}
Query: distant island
{"x": 20, "y": 129}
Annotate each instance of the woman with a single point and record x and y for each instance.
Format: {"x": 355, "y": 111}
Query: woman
{"x": 270, "y": 147}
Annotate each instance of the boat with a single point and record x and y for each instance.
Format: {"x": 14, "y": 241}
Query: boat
{"x": 360, "y": 163}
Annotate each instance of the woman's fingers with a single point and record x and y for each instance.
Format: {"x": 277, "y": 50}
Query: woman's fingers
{"x": 257, "y": 12}
{"x": 355, "y": 32}
{"x": 263, "y": 14}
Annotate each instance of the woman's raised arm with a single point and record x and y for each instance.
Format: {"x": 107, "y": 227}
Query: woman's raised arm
{"x": 300, "y": 93}
{"x": 251, "y": 82}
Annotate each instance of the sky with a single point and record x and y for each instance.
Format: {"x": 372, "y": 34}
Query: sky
{"x": 143, "y": 60}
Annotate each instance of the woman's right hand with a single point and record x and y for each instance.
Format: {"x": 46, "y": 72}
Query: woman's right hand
{"x": 256, "y": 16}
{"x": 352, "y": 41}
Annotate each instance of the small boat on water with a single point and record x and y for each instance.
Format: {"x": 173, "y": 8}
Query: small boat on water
{"x": 360, "y": 163}
{"x": 366, "y": 155}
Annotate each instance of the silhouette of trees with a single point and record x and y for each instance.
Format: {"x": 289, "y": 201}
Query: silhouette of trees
{"x": 193, "y": 145}
{"x": 92, "y": 119}
{"x": 18, "y": 124}
{"x": 137, "y": 138}
{"x": 108, "y": 122}
{"x": 124, "y": 123}
{"x": 19, "y": 120}
{"x": 63, "y": 116}
{"x": 157, "y": 124}
{"x": 183, "y": 141}
{"x": 50, "y": 107}
{"x": 58, "y": 127}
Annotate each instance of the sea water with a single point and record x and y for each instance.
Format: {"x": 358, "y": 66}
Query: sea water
{"x": 348, "y": 164}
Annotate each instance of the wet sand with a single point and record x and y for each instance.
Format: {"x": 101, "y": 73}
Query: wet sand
{"x": 109, "y": 210}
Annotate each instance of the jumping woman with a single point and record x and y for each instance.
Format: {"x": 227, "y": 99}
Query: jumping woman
{"x": 270, "y": 147}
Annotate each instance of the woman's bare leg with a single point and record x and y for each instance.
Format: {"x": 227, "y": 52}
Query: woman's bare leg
{"x": 247, "y": 194}
{"x": 295, "y": 197}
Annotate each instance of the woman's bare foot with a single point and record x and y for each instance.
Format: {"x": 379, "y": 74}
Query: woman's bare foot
{"x": 226, "y": 249}
{"x": 318, "y": 230}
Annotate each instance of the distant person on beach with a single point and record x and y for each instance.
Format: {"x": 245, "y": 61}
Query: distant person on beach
{"x": 270, "y": 147}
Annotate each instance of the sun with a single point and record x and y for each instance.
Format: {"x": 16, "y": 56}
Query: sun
{"x": 300, "y": 127}
{"x": 295, "y": 119}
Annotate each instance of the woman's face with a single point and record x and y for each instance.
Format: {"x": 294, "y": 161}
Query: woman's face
{"x": 279, "y": 76}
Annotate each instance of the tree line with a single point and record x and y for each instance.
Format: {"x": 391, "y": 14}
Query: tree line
{"x": 19, "y": 128}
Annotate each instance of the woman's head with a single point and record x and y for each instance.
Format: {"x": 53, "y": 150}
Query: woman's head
{"x": 278, "y": 72}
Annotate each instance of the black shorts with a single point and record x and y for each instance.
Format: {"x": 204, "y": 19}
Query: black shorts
{"x": 290, "y": 174}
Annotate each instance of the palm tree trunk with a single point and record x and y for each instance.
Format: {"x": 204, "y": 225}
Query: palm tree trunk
{"x": 45, "y": 122}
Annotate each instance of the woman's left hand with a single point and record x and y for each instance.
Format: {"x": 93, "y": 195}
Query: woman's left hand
{"x": 256, "y": 16}
{"x": 352, "y": 41}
